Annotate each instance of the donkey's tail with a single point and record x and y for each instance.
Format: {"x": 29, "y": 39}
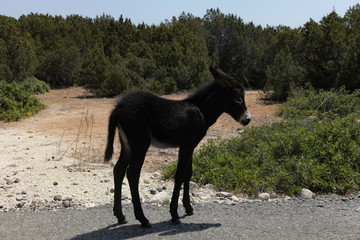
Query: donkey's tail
{"x": 110, "y": 140}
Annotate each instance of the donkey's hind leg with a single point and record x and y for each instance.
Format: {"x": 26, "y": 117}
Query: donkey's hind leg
{"x": 133, "y": 175}
{"x": 119, "y": 173}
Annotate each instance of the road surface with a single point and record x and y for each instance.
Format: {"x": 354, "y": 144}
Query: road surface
{"x": 325, "y": 217}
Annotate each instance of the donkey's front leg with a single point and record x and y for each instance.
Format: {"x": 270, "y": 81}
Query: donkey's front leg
{"x": 186, "y": 197}
{"x": 185, "y": 156}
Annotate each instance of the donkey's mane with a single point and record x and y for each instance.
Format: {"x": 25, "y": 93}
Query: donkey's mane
{"x": 202, "y": 91}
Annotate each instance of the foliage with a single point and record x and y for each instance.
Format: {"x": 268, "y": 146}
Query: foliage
{"x": 283, "y": 74}
{"x": 17, "y": 100}
{"x": 108, "y": 55}
{"x": 325, "y": 104}
{"x": 284, "y": 157}
{"x": 34, "y": 85}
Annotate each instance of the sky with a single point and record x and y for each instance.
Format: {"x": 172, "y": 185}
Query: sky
{"x": 293, "y": 13}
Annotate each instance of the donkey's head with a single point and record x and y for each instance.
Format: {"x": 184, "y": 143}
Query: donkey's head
{"x": 234, "y": 102}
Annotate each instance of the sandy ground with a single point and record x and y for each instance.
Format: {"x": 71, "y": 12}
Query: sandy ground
{"x": 59, "y": 151}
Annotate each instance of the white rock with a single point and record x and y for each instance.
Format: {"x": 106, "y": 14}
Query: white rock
{"x": 194, "y": 185}
{"x": 155, "y": 175}
{"x": 161, "y": 198}
{"x": 264, "y": 196}
{"x": 235, "y": 198}
{"x": 306, "y": 193}
{"x": 205, "y": 197}
{"x": 198, "y": 194}
{"x": 211, "y": 187}
{"x": 90, "y": 205}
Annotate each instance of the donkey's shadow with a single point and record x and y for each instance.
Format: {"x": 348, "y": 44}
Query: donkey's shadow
{"x": 160, "y": 229}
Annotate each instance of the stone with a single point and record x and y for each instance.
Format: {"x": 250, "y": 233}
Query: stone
{"x": 90, "y": 205}
{"x": 193, "y": 185}
{"x": 162, "y": 198}
{"x": 264, "y": 196}
{"x": 55, "y": 183}
{"x": 306, "y": 193}
{"x": 34, "y": 202}
{"x": 9, "y": 182}
{"x": 66, "y": 203}
{"x": 155, "y": 175}
{"x": 57, "y": 197}
{"x": 20, "y": 205}
{"x": 223, "y": 195}
{"x": 211, "y": 187}
{"x": 273, "y": 195}
{"x": 234, "y": 198}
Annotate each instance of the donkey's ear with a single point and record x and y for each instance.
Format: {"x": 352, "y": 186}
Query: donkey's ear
{"x": 220, "y": 76}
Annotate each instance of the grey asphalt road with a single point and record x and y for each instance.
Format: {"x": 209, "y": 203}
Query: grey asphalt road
{"x": 326, "y": 217}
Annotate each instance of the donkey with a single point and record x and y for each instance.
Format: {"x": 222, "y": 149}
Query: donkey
{"x": 144, "y": 119}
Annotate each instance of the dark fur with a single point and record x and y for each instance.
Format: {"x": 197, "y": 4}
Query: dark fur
{"x": 144, "y": 119}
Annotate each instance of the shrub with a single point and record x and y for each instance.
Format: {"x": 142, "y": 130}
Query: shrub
{"x": 284, "y": 73}
{"x": 16, "y": 100}
{"x": 35, "y": 86}
{"x": 330, "y": 104}
{"x": 284, "y": 157}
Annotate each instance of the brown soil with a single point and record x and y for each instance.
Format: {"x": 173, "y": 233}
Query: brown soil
{"x": 75, "y": 117}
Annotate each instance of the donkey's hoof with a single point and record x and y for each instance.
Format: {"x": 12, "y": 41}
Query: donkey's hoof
{"x": 146, "y": 225}
{"x": 175, "y": 221}
{"x": 189, "y": 213}
{"x": 122, "y": 220}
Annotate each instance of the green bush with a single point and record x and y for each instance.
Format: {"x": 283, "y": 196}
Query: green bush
{"x": 16, "y": 100}
{"x": 330, "y": 104}
{"x": 284, "y": 157}
{"x": 34, "y": 85}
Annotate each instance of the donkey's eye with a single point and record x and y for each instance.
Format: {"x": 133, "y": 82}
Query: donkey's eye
{"x": 238, "y": 100}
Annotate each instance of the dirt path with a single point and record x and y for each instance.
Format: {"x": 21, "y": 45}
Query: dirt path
{"x": 59, "y": 151}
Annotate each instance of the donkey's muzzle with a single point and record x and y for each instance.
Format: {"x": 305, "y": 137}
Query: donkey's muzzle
{"x": 245, "y": 118}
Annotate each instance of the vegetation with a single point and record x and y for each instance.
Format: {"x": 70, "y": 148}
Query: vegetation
{"x": 108, "y": 55}
{"x": 17, "y": 100}
{"x": 283, "y": 157}
{"x": 320, "y": 153}
{"x": 322, "y": 104}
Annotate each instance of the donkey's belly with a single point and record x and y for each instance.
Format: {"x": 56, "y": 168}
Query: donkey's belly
{"x": 162, "y": 144}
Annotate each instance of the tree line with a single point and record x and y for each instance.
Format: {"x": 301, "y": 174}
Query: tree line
{"x": 108, "y": 55}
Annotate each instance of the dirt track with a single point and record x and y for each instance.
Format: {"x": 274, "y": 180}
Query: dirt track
{"x": 59, "y": 151}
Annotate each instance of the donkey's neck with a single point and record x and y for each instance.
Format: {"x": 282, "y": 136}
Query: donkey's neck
{"x": 209, "y": 99}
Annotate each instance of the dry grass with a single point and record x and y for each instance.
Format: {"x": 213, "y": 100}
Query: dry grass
{"x": 81, "y": 148}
